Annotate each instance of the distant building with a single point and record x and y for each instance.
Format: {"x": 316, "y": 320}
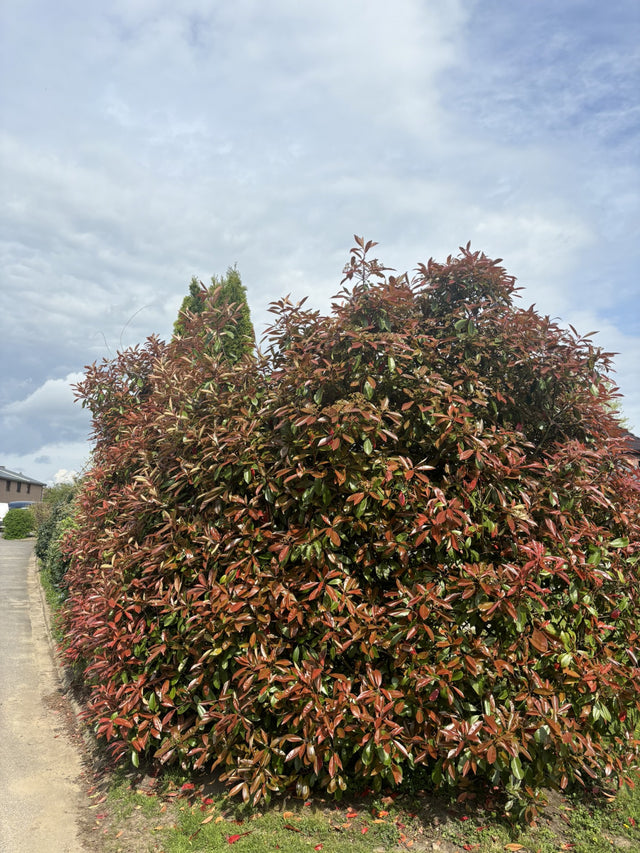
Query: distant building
{"x": 632, "y": 449}
{"x": 17, "y": 487}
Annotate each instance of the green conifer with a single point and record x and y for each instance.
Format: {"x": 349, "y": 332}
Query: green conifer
{"x": 237, "y": 338}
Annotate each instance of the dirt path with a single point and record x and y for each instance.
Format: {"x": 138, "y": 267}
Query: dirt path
{"x": 43, "y": 805}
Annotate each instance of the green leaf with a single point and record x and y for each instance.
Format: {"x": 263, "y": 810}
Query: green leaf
{"x": 595, "y": 557}
{"x": 619, "y": 543}
{"x": 516, "y": 768}
{"x": 542, "y": 734}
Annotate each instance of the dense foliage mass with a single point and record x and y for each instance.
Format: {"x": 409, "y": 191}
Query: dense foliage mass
{"x": 405, "y": 537}
{"x": 18, "y": 524}
{"x": 54, "y": 518}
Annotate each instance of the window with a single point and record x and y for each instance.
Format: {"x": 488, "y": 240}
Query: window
{"x": 18, "y": 487}
{"x": 8, "y": 485}
{"x": 28, "y": 488}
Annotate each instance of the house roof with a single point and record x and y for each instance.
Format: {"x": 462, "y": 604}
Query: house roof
{"x": 633, "y": 443}
{"x": 16, "y": 477}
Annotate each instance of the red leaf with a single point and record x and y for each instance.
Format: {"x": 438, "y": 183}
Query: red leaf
{"x": 539, "y": 641}
{"x": 231, "y": 839}
{"x": 333, "y": 536}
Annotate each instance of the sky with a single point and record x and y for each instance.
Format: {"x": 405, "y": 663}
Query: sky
{"x": 146, "y": 141}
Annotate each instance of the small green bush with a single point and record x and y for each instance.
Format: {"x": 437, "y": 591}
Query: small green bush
{"x": 18, "y": 524}
{"x": 47, "y": 521}
{"x": 53, "y": 495}
{"x": 49, "y": 536}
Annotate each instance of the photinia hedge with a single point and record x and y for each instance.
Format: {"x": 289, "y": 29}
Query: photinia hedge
{"x": 404, "y": 536}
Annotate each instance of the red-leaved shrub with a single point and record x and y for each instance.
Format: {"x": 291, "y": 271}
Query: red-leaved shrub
{"x": 404, "y": 536}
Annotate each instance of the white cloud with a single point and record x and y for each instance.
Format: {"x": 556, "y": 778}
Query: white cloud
{"x": 48, "y": 413}
{"x": 53, "y": 462}
{"x": 55, "y": 396}
{"x": 64, "y": 476}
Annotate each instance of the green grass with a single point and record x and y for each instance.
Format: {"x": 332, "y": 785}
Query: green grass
{"x": 123, "y": 802}
{"x": 303, "y": 830}
{"x": 140, "y": 822}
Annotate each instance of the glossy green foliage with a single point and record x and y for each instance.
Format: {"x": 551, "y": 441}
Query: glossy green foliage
{"x": 405, "y": 536}
{"x": 18, "y": 524}
{"x": 50, "y": 534}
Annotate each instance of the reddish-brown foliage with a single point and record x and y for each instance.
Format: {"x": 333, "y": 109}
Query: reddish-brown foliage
{"x": 405, "y": 536}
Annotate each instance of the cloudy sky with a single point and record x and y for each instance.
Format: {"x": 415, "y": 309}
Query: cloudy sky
{"x": 145, "y": 141}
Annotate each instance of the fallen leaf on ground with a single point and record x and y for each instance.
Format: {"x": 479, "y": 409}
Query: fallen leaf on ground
{"x": 513, "y": 847}
{"x": 208, "y": 819}
{"x": 231, "y": 839}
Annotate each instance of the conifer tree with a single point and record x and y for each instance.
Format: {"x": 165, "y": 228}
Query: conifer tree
{"x": 237, "y": 338}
